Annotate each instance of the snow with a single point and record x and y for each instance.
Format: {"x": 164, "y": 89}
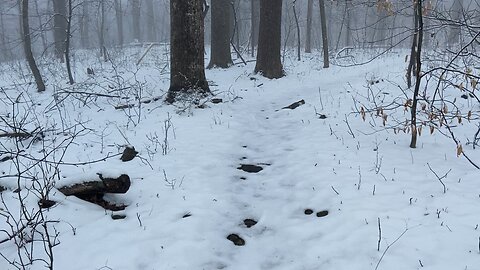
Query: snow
{"x": 314, "y": 163}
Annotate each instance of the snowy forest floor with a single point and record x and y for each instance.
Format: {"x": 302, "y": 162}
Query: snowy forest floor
{"x": 386, "y": 208}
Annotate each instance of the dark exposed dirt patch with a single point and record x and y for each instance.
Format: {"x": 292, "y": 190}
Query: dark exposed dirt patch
{"x": 44, "y": 203}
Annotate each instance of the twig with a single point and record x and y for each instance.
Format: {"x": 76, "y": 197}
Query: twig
{"x": 440, "y": 178}
{"x": 335, "y": 190}
{"x": 379, "y": 235}
{"x": 388, "y": 247}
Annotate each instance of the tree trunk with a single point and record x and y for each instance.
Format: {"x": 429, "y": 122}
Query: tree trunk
{"x": 187, "y": 67}
{"x": 27, "y": 42}
{"x": 67, "y": 42}
{"x": 326, "y": 60}
{"x": 152, "y": 29}
{"x": 348, "y": 23}
{"x": 40, "y": 26}
{"x": 455, "y": 14}
{"x": 413, "y": 50}
{"x": 220, "y": 34}
{"x": 59, "y": 27}
{"x": 119, "y": 18}
{"x": 418, "y": 58}
{"x": 101, "y": 32}
{"x": 136, "y": 20}
{"x": 255, "y": 8}
{"x": 269, "y": 62}
{"x": 308, "y": 34}
{"x": 84, "y": 26}
{"x": 298, "y": 31}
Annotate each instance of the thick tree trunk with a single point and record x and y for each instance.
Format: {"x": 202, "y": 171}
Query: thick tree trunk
{"x": 308, "y": 34}
{"x": 255, "y": 14}
{"x": 27, "y": 45}
{"x": 136, "y": 9}
{"x": 187, "y": 67}
{"x": 60, "y": 27}
{"x": 326, "y": 59}
{"x": 119, "y": 19}
{"x": 269, "y": 62}
{"x": 220, "y": 34}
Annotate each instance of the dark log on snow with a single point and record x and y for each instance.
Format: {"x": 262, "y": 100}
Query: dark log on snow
{"x": 98, "y": 186}
{"x": 294, "y": 105}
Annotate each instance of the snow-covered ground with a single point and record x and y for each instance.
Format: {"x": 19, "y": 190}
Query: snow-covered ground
{"x": 182, "y": 205}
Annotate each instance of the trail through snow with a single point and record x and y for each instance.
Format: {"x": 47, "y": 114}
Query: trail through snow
{"x": 308, "y": 163}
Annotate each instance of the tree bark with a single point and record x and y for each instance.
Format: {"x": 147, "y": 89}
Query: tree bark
{"x": 326, "y": 59}
{"x": 308, "y": 34}
{"x": 187, "y": 67}
{"x": 220, "y": 34}
{"x": 59, "y": 27}
{"x": 27, "y": 45}
{"x": 269, "y": 62}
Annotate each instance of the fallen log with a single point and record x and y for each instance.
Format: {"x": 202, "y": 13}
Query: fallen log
{"x": 98, "y": 186}
{"x": 294, "y": 105}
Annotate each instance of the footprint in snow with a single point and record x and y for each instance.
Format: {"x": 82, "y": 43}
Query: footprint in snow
{"x": 236, "y": 239}
{"x": 322, "y": 213}
{"x": 249, "y": 222}
{"x": 250, "y": 168}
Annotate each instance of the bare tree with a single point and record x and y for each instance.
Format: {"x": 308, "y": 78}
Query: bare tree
{"x": 27, "y": 45}
{"x": 308, "y": 33}
{"x": 220, "y": 34}
{"x": 84, "y": 25}
{"x": 418, "y": 10}
{"x": 254, "y": 13}
{"x": 119, "y": 18}
{"x": 136, "y": 10}
{"x": 151, "y": 26}
{"x": 326, "y": 61}
{"x": 187, "y": 65}
{"x": 269, "y": 62}
{"x": 59, "y": 27}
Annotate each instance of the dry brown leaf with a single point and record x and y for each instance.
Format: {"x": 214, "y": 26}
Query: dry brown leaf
{"x": 459, "y": 150}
